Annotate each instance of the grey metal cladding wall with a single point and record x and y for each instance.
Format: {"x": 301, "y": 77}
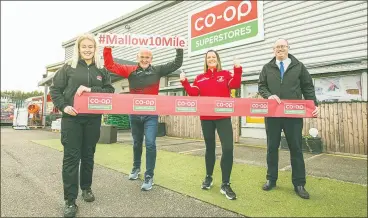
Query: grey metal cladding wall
{"x": 319, "y": 33}
{"x": 168, "y": 21}
{"x": 68, "y": 52}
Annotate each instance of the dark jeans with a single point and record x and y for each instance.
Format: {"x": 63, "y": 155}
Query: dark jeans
{"x": 225, "y": 132}
{"x": 144, "y": 125}
{"x": 293, "y": 132}
{"x": 79, "y": 136}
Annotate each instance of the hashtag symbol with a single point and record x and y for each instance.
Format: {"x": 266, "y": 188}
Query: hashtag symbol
{"x": 102, "y": 39}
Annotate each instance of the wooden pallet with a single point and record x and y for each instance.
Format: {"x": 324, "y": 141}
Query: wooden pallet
{"x": 55, "y": 130}
{"x": 35, "y": 127}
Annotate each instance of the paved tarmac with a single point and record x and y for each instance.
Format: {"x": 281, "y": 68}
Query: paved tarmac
{"x": 31, "y": 186}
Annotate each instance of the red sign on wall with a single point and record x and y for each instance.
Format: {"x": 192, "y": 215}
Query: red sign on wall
{"x": 224, "y": 24}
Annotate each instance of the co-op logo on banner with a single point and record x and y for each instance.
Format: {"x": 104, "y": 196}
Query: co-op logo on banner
{"x": 259, "y": 107}
{"x": 144, "y": 104}
{"x": 224, "y": 106}
{"x": 221, "y": 25}
{"x": 185, "y": 105}
{"x": 99, "y": 103}
{"x": 293, "y": 108}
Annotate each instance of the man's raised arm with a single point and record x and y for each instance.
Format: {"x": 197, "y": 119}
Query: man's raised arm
{"x": 119, "y": 69}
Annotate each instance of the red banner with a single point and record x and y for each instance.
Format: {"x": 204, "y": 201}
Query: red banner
{"x": 102, "y": 103}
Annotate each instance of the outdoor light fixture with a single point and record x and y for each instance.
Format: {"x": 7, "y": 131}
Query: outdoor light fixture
{"x": 313, "y": 132}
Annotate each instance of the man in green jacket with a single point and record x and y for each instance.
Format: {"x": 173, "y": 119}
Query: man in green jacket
{"x": 284, "y": 77}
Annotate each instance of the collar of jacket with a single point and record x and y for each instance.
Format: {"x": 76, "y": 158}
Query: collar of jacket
{"x": 209, "y": 72}
{"x": 140, "y": 68}
{"x": 83, "y": 62}
{"x": 293, "y": 59}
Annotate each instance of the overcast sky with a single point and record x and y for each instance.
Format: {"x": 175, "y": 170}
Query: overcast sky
{"x": 32, "y": 34}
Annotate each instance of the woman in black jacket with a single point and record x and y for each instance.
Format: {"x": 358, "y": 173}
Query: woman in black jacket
{"x": 79, "y": 132}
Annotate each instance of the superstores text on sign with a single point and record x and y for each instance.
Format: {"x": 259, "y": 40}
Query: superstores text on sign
{"x": 225, "y": 24}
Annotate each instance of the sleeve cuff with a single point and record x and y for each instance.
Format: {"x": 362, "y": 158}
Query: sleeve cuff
{"x": 62, "y": 108}
{"x": 238, "y": 70}
{"x": 185, "y": 82}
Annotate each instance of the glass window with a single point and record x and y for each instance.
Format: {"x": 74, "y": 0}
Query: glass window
{"x": 176, "y": 93}
{"x": 340, "y": 88}
{"x": 251, "y": 91}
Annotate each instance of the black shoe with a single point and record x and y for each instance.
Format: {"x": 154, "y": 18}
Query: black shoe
{"x": 70, "y": 209}
{"x": 207, "y": 182}
{"x": 268, "y": 185}
{"x": 300, "y": 190}
{"x": 227, "y": 191}
{"x": 88, "y": 195}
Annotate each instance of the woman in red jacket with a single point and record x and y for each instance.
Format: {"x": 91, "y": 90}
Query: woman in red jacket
{"x": 216, "y": 82}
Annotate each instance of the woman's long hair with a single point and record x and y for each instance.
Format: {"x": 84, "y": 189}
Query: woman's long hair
{"x": 75, "y": 58}
{"x": 218, "y": 67}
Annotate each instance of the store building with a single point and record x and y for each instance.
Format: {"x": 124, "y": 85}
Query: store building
{"x": 329, "y": 37}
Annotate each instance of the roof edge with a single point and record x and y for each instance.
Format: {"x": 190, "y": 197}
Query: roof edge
{"x": 55, "y": 65}
{"x": 130, "y": 17}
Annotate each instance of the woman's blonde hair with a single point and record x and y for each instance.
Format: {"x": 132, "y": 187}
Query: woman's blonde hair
{"x": 218, "y": 67}
{"x": 75, "y": 58}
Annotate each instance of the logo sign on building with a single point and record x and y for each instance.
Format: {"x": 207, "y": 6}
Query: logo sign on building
{"x": 224, "y": 106}
{"x": 224, "y": 24}
{"x": 144, "y": 104}
{"x": 259, "y": 108}
{"x": 185, "y": 105}
{"x": 294, "y": 108}
{"x": 99, "y": 103}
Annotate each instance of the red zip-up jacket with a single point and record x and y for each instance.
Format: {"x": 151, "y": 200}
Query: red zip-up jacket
{"x": 214, "y": 84}
{"x": 143, "y": 81}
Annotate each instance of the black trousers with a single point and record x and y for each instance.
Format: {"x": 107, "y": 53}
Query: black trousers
{"x": 292, "y": 128}
{"x": 79, "y": 136}
{"x": 225, "y": 132}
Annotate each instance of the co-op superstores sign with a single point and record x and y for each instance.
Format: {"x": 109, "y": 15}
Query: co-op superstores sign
{"x": 225, "y": 24}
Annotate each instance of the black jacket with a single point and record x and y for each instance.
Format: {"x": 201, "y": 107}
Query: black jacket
{"x": 67, "y": 80}
{"x": 297, "y": 81}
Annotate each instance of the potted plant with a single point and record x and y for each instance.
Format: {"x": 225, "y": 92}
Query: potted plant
{"x": 309, "y": 144}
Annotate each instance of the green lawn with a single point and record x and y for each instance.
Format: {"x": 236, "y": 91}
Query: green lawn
{"x": 184, "y": 174}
